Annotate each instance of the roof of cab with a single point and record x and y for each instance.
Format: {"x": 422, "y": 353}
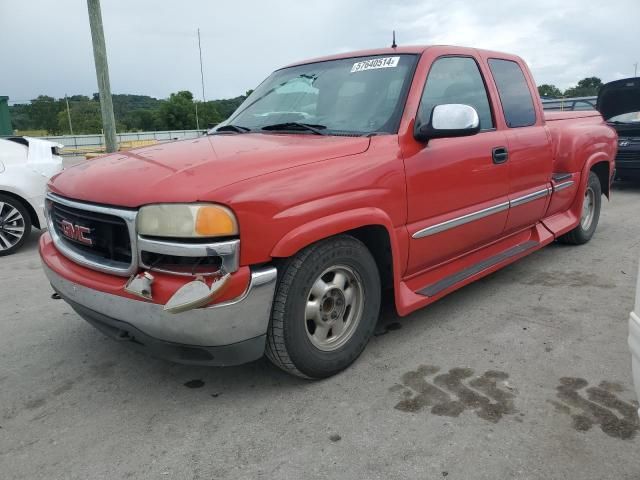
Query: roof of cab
{"x": 409, "y": 49}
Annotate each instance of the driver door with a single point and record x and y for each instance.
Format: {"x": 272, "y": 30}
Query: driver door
{"x": 457, "y": 188}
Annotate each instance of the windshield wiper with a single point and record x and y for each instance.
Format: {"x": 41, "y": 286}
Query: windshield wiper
{"x": 232, "y": 128}
{"x": 317, "y": 129}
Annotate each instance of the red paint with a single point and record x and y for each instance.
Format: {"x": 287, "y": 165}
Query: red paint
{"x": 289, "y": 191}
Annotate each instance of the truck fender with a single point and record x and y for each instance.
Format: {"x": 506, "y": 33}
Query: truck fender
{"x": 325, "y": 227}
{"x": 576, "y": 208}
{"x": 341, "y": 222}
{"x": 598, "y": 157}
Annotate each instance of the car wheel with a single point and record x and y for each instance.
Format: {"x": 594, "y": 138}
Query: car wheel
{"x": 325, "y": 310}
{"x": 590, "y": 214}
{"x": 15, "y": 224}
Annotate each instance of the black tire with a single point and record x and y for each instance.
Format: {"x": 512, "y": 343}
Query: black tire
{"x": 583, "y": 233}
{"x": 8, "y": 245}
{"x": 291, "y": 345}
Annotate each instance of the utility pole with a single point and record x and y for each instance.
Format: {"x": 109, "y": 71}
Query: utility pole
{"x": 635, "y": 69}
{"x": 102, "y": 74}
{"x": 202, "y": 82}
{"x": 68, "y": 114}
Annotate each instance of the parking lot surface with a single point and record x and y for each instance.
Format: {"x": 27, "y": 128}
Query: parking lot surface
{"x": 524, "y": 374}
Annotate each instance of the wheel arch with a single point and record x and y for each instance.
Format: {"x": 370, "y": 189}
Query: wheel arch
{"x": 603, "y": 171}
{"x": 33, "y": 216}
{"x": 371, "y": 226}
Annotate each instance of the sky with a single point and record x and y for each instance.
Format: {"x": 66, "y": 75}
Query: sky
{"x": 152, "y": 45}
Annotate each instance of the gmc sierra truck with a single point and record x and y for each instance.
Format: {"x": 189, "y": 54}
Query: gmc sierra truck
{"x": 415, "y": 170}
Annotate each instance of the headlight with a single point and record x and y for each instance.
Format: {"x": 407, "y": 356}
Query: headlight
{"x": 186, "y": 221}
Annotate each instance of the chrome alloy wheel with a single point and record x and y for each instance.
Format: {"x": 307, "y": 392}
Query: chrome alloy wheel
{"x": 588, "y": 209}
{"x": 12, "y": 226}
{"x": 334, "y": 307}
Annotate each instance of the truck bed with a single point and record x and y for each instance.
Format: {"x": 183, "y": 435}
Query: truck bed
{"x": 554, "y": 116}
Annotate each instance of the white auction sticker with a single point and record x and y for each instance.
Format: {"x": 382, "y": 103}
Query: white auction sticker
{"x": 387, "y": 62}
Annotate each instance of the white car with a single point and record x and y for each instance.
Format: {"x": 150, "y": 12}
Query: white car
{"x": 26, "y": 165}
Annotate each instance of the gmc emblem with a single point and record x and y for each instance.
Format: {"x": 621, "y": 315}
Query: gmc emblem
{"x": 76, "y": 232}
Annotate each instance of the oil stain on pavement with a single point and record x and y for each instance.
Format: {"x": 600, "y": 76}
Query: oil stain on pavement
{"x": 451, "y": 393}
{"x": 597, "y": 406}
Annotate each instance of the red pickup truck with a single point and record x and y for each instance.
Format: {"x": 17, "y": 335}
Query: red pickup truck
{"x": 411, "y": 169}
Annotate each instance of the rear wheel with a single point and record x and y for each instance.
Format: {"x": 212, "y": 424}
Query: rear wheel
{"x": 326, "y": 308}
{"x": 15, "y": 224}
{"x": 590, "y": 214}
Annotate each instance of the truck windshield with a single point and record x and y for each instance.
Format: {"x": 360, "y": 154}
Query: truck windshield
{"x": 358, "y": 96}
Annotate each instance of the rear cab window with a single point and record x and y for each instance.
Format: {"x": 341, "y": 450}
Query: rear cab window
{"x": 514, "y": 92}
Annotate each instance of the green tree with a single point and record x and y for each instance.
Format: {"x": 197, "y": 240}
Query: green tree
{"x": 587, "y": 87}
{"x": 139, "y": 120}
{"x": 208, "y": 114}
{"x": 178, "y": 112}
{"x": 229, "y": 105}
{"x": 85, "y": 118}
{"x": 547, "y": 90}
{"x": 132, "y": 112}
{"x": 43, "y": 112}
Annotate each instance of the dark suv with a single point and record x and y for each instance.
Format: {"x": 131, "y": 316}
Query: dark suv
{"x": 619, "y": 104}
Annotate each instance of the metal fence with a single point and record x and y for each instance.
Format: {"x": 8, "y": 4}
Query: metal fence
{"x": 573, "y": 103}
{"x": 83, "y": 144}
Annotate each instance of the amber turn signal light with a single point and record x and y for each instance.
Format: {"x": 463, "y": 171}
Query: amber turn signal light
{"x": 214, "y": 220}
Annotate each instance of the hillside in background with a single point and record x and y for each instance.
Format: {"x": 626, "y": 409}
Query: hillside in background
{"x": 132, "y": 112}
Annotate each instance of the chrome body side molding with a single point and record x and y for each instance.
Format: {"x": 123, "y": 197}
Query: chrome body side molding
{"x": 456, "y": 222}
{"x": 485, "y": 212}
{"x": 529, "y": 197}
{"x": 563, "y": 185}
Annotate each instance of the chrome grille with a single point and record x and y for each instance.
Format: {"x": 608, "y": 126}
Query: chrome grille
{"x": 110, "y": 231}
{"x": 107, "y": 235}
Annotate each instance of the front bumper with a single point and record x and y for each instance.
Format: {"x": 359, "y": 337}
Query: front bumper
{"x": 228, "y": 333}
{"x": 634, "y": 346}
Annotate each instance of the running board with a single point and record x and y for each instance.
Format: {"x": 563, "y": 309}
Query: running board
{"x": 441, "y": 285}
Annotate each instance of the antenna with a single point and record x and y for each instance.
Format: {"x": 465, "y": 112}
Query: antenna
{"x": 394, "y": 45}
{"x": 201, "y": 70}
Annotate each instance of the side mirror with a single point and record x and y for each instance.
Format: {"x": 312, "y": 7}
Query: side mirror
{"x": 449, "y": 120}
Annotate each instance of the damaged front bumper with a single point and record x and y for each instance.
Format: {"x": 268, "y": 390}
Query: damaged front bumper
{"x": 227, "y": 333}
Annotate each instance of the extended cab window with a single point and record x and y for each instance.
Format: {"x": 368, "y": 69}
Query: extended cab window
{"x": 456, "y": 80}
{"x": 514, "y": 92}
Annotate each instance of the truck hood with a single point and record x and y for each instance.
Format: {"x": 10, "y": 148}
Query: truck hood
{"x": 621, "y": 96}
{"x": 190, "y": 170}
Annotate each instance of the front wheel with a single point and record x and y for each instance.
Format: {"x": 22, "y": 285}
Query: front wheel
{"x": 590, "y": 214}
{"x": 15, "y": 225}
{"x": 325, "y": 309}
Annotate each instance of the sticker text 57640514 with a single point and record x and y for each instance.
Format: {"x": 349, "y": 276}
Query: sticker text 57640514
{"x": 386, "y": 62}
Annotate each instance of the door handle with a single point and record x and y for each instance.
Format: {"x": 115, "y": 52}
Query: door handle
{"x": 500, "y": 155}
